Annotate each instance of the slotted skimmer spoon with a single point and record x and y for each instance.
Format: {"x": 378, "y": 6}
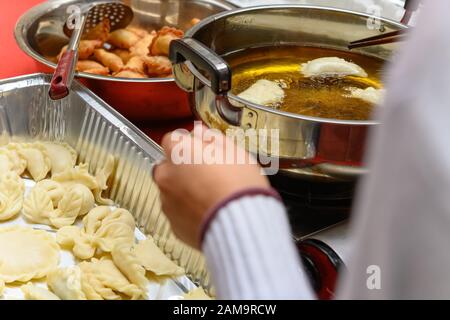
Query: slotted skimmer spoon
{"x": 91, "y": 15}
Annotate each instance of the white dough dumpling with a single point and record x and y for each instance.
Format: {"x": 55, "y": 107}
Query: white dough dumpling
{"x": 264, "y": 92}
{"x": 26, "y": 254}
{"x": 62, "y": 156}
{"x": 66, "y": 283}
{"x": 11, "y": 195}
{"x": 370, "y": 94}
{"x": 33, "y": 292}
{"x": 331, "y": 66}
{"x": 38, "y": 162}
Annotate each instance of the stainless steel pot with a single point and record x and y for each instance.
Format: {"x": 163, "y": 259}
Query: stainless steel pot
{"x": 39, "y": 33}
{"x": 309, "y": 147}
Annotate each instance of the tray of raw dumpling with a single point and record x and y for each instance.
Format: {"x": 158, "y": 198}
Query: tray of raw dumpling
{"x": 79, "y": 213}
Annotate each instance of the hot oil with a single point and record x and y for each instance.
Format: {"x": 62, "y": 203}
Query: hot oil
{"x": 319, "y": 96}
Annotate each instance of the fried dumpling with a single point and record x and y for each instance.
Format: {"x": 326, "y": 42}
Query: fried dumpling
{"x": 33, "y": 292}
{"x": 38, "y": 162}
{"x": 161, "y": 42}
{"x": 26, "y": 254}
{"x": 140, "y": 32}
{"x": 124, "y": 54}
{"x": 129, "y": 74}
{"x": 66, "y": 283}
{"x": 154, "y": 260}
{"x": 62, "y": 156}
{"x": 264, "y": 92}
{"x": 158, "y": 66}
{"x": 331, "y": 66}
{"x": 141, "y": 48}
{"x": 11, "y": 195}
{"x": 125, "y": 259}
{"x": 370, "y": 95}
{"x": 123, "y": 38}
{"x": 108, "y": 59}
{"x": 99, "y": 32}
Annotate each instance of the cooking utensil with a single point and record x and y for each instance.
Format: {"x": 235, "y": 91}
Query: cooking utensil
{"x": 39, "y": 34}
{"x": 90, "y": 15}
{"x": 311, "y": 147}
{"x": 390, "y": 37}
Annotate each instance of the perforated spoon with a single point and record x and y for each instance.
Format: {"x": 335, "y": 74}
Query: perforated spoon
{"x": 91, "y": 15}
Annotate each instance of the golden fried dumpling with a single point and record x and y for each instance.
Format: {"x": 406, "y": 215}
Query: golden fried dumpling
{"x": 66, "y": 283}
{"x": 125, "y": 55}
{"x": 141, "y": 48}
{"x": 38, "y": 161}
{"x": 140, "y": 32}
{"x": 161, "y": 42}
{"x": 158, "y": 66}
{"x": 62, "y": 156}
{"x": 129, "y": 74}
{"x": 33, "y": 292}
{"x": 99, "y": 32}
{"x": 85, "y": 49}
{"x": 135, "y": 64}
{"x": 108, "y": 59}
{"x": 126, "y": 261}
{"x": 123, "y": 38}
{"x": 11, "y": 195}
{"x": 154, "y": 260}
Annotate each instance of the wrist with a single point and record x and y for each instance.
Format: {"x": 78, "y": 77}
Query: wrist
{"x": 247, "y": 192}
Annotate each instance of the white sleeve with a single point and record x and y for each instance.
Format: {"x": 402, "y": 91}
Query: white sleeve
{"x": 250, "y": 252}
{"x": 401, "y": 226}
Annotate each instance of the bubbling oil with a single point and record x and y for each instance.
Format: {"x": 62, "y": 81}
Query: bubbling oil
{"x": 324, "y": 97}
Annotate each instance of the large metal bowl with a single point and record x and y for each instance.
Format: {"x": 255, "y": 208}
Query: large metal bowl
{"x": 39, "y": 33}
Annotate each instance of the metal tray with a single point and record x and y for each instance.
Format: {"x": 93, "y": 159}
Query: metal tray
{"x": 95, "y": 130}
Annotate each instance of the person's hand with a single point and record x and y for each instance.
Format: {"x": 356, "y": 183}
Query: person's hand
{"x": 189, "y": 191}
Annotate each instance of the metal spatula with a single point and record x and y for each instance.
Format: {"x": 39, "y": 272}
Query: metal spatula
{"x": 91, "y": 15}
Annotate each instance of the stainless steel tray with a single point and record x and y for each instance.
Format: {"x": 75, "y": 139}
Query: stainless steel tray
{"x": 95, "y": 130}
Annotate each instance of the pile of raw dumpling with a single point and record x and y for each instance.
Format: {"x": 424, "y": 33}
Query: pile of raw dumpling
{"x": 110, "y": 264}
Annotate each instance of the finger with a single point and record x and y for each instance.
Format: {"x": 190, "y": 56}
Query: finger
{"x": 160, "y": 173}
{"x": 171, "y": 139}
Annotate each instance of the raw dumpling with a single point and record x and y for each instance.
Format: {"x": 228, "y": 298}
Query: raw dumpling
{"x": 101, "y": 279}
{"x": 102, "y": 229}
{"x": 32, "y": 292}
{"x": 38, "y": 162}
{"x": 2, "y": 287}
{"x": 16, "y": 162}
{"x": 154, "y": 260}
{"x": 264, "y": 92}
{"x": 370, "y": 95}
{"x": 79, "y": 174}
{"x": 11, "y": 195}
{"x": 331, "y": 66}
{"x": 54, "y": 190}
{"x": 68, "y": 209}
{"x": 5, "y": 161}
{"x": 61, "y": 155}
{"x": 26, "y": 254}
{"x": 196, "y": 294}
{"x": 102, "y": 177}
{"x": 38, "y": 206}
{"x": 125, "y": 259}
{"x": 66, "y": 283}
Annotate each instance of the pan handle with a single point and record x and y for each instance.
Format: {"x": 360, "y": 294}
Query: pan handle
{"x": 63, "y": 75}
{"x": 217, "y": 70}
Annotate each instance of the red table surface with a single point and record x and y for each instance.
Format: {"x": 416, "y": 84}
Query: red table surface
{"x": 14, "y": 62}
